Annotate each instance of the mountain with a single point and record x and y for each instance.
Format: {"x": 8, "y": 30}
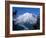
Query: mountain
{"x": 26, "y": 18}
{"x": 25, "y": 21}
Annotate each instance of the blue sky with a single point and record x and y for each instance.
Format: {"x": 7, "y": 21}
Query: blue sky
{"x": 21, "y": 10}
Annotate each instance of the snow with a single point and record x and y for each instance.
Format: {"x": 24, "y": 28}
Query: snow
{"x": 26, "y": 18}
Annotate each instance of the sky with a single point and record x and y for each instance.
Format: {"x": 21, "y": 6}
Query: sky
{"x": 22, "y": 10}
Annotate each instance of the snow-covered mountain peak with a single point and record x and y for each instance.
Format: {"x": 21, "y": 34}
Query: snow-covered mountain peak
{"x": 26, "y": 18}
